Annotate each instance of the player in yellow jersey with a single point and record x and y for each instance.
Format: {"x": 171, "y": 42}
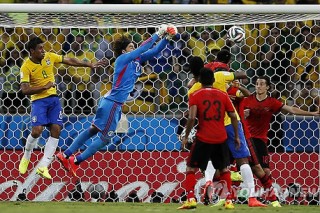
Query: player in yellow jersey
{"x": 240, "y": 153}
{"x": 37, "y": 80}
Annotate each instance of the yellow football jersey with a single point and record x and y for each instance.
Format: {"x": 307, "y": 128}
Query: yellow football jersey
{"x": 40, "y": 74}
{"x": 222, "y": 78}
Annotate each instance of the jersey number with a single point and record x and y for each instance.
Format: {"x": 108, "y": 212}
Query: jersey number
{"x": 44, "y": 74}
{"x": 217, "y": 115}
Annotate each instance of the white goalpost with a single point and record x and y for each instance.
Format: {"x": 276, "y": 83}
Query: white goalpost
{"x": 144, "y": 156}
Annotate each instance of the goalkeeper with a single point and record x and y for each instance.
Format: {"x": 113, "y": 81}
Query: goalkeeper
{"x": 127, "y": 69}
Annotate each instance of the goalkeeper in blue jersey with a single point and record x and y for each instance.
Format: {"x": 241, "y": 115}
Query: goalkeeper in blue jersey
{"x": 127, "y": 69}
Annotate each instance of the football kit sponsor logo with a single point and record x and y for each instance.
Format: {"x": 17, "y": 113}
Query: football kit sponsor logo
{"x": 110, "y": 133}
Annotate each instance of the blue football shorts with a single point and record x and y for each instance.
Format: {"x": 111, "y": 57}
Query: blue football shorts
{"x": 107, "y": 117}
{"x": 243, "y": 151}
{"x": 46, "y": 111}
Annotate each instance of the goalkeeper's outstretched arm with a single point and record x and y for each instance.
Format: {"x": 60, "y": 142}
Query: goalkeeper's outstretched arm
{"x": 130, "y": 56}
{"x": 169, "y": 32}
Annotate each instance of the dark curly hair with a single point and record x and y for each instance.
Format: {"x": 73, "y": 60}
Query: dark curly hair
{"x": 196, "y": 63}
{"x": 32, "y": 44}
{"x": 206, "y": 77}
{"x": 120, "y": 44}
{"x": 224, "y": 56}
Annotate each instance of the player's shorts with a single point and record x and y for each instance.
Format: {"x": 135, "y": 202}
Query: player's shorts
{"x": 253, "y": 159}
{"x": 107, "y": 117}
{"x": 261, "y": 153}
{"x": 46, "y": 111}
{"x": 243, "y": 151}
{"x": 201, "y": 153}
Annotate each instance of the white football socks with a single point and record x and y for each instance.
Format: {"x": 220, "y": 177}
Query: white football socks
{"x": 30, "y": 144}
{"x": 248, "y": 180}
{"x": 210, "y": 170}
{"x": 49, "y": 150}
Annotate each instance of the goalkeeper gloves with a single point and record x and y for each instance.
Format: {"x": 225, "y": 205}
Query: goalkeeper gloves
{"x": 171, "y": 31}
{"x": 162, "y": 30}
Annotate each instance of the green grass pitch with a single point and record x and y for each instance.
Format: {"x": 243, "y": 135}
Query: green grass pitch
{"x": 87, "y": 207}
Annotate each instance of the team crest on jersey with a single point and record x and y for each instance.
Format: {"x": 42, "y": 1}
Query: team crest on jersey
{"x": 34, "y": 119}
{"x": 48, "y": 61}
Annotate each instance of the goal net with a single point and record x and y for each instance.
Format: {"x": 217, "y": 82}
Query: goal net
{"x": 144, "y": 161}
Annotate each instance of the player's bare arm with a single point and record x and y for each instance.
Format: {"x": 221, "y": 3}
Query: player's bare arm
{"x": 191, "y": 83}
{"x": 77, "y": 63}
{"x": 189, "y": 125}
{"x": 244, "y": 92}
{"x": 240, "y": 75}
{"x": 296, "y": 111}
{"x": 27, "y": 90}
{"x": 234, "y": 122}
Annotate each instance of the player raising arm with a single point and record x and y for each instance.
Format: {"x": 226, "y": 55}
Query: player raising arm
{"x": 241, "y": 153}
{"x": 259, "y": 109}
{"x": 127, "y": 69}
{"x": 37, "y": 80}
{"x": 209, "y": 106}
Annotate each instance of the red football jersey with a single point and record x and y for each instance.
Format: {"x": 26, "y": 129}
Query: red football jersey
{"x": 217, "y": 66}
{"x": 260, "y": 115}
{"x": 212, "y": 104}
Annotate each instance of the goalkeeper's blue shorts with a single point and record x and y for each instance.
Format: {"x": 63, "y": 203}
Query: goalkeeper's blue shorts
{"x": 243, "y": 151}
{"x": 107, "y": 117}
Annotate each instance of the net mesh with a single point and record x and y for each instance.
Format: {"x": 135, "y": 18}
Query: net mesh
{"x": 87, "y": 20}
{"x": 144, "y": 158}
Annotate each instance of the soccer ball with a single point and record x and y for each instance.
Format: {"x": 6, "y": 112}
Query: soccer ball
{"x": 236, "y": 34}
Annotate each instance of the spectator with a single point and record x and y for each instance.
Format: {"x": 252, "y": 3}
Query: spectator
{"x": 290, "y": 33}
{"x": 149, "y": 87}
{"x": 53, "y": 38}
{"x": 7, "y": 41}
{"x": 307, "y": 98}
{"x": 301, "y": 57}
{"x": 97, "y": 44}
{"x": 202, "y": 46}
{"x": 78, "y": 78}
{"x": 273, "y": 60}
{"x": 13, "y": 99}
{"x": 177, "y": 84}
{"x": 250, "y": 49}
{"x": 102, "y": 50}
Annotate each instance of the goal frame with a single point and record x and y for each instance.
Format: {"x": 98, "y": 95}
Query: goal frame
{"x": 154, "y": 9}
{"x": 159, "y": 8}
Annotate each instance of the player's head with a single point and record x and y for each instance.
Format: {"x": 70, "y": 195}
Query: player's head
{"x": 224, "y": 56}
{"x": 122, "y": 45}
{"x": 262, "y": 85}
{"x": 35, "y": 48}
{"x": 206, "y": 77}
{"x": 196, "y": 64}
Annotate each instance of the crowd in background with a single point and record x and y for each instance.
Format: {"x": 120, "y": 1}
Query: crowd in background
{"x": 287, "y": 52}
